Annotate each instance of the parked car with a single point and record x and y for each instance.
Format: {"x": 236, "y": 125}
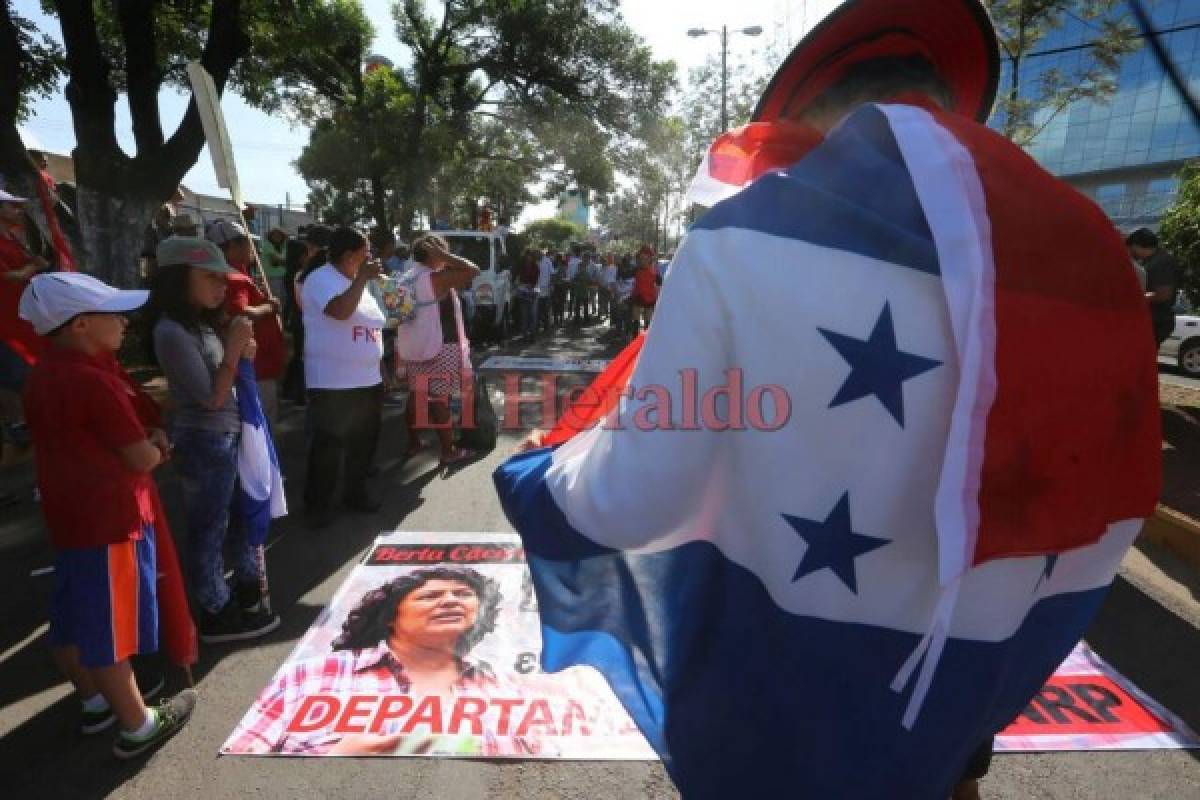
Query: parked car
{"x": 490, "y": 295}
{"x": 1183, "y": 345}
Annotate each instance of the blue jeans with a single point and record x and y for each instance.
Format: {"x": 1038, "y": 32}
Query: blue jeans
{"x": 530, "y": 302}
{"x": 207, "y": 464}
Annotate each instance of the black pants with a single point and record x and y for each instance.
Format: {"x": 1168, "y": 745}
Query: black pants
{"x": 980, "y": 762}
{"x": 1163, "y": 328}
{"x": 293, "y": 377}
{"x": 579, "y": 301}
{"x": 345, "y": 427}
{"x": 559, "y": 303}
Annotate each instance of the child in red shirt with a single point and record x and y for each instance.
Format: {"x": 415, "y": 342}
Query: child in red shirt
{"x": 244, "y": 298}
{"x": 645, "y": 287}
{"x": 94, "y": 460}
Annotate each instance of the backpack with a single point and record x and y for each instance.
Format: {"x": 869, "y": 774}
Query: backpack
{"x": 400, "y": 297}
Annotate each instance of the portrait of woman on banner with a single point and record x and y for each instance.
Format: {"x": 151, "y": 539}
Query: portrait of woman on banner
{"x": 410, "y": 636}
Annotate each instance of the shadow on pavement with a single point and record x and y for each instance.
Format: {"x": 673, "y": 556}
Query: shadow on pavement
{"x": 1154, "y": 648}
{"x": 43, "y": 752}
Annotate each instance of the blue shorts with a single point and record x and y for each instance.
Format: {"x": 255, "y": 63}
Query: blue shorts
{"x": 105, "y": 600}
{"x": 13, "y": 369}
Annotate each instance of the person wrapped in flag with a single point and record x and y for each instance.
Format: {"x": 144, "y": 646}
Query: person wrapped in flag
{"x": 852, "y": 508}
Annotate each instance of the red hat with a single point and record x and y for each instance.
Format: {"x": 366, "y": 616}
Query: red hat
{"x": 955, "y": 36}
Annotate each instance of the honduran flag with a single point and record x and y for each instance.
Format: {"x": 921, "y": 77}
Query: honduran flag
{"x": 850, "y": 594}
{"x": 260, "y": 480}
{"x": 741, "y": 155}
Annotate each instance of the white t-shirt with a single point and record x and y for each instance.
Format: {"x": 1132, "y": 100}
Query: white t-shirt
{"x": 610, "y": 276}
{"x": 340, "y": 354}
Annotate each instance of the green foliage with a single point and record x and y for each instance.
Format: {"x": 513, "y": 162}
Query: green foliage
{"x": 498, "y": 96}
{"x": 1180, "y": 230}
{"x": 40, "y": 64}
{"x": 663, "y": 160}
{"x": 298, "y": 57}
{"x": 1022, "y": 26}
{"x": 555, "y": 233}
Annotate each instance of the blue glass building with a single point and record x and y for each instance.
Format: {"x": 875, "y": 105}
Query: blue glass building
{"x": 1124, "y": 152}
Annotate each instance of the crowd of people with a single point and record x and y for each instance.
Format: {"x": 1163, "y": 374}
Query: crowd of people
{"x": 579, "y": 286}
{"x": 210, "y": 304}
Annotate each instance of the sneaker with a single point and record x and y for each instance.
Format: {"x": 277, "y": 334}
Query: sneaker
{"x": 97, "y": 721}
{"x": 150, "y": 682}
{"x": 172, "y": 715}
{"x": 249, "y": 596}
{"x": 232, "y": 624}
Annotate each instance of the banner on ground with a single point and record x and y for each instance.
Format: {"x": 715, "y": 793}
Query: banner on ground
{"x": 345, "y": 691}
{"x": 549, "y": 364}
{"x": 375, "y": 675}
{"x": 1088, "y": 705}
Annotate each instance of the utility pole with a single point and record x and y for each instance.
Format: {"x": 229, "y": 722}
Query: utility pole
{"x": 724, "y": 77}
{"x": 754, "y": 30}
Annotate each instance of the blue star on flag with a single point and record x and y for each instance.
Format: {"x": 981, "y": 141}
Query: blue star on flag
{"x": 1051, "y": 563}
{"x": 833, "y": 544}
{"x": 877, "y": 366}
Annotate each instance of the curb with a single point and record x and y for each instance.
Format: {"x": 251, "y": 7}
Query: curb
{"x": 1176, "y": 532}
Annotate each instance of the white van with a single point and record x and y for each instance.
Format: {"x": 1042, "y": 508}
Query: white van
{"x": 490, "y": 295}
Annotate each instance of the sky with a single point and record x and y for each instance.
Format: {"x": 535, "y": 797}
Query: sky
{"x": 265, "y": 146}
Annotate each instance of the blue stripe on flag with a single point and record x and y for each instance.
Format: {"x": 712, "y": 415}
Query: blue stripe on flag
{"x": 851, "y": 193}
{"x": 258, "y": 464}
{"x": 744, "y": 699}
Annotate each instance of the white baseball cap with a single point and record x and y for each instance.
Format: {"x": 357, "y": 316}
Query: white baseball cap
{"x": 5, "y": 197}
{"x": 53, "y": 299}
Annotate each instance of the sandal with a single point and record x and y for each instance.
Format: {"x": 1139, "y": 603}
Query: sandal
{"x": 455, "y": 456}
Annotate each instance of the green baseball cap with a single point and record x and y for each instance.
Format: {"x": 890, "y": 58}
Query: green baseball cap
{"x": 192, "y": 251}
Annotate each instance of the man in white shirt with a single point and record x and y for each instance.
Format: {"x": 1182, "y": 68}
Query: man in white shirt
{"x": 608, "y": 289}
{"x": 576, "y": 295}
{"x": 545, "y": 273}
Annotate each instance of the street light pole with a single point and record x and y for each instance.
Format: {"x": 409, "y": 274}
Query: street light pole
{"x": 724, "y": 78}
{"x": 753, "y": 30}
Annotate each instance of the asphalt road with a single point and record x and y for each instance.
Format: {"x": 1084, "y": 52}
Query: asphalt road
{"x": 1147, "y": 628}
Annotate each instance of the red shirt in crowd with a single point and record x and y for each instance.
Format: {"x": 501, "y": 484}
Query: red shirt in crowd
{"x": 244, "y": 293}
{"x": 47, "y": 191}
{"x": 645, "y": 286}
{"x": 81, "y": 411}
{"x": 15, "y": 333}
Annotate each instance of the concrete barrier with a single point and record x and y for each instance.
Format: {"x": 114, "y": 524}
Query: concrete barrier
{"x": 1178, "y": 533}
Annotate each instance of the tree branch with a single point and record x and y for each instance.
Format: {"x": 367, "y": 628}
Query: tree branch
{"x": 89, "y": 91}
{"x": 225, "y": 45}
{"x": 143, "y": 77}
{"x": 10, "y": 67}
{"x": 13, "y": 163}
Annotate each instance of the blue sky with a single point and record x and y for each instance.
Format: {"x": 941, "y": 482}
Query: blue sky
{"x": 265, "y": 146}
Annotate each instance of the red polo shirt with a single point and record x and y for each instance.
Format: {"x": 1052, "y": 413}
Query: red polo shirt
{"x": 645, "y": 288}
{"x": 81, "y": 412}
{"x": 244, "y": 293}
{"x": 15, "y": 333}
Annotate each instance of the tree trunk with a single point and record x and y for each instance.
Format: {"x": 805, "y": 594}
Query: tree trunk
{"x": 379, "y": 204}
{"x": 113, "y": 225}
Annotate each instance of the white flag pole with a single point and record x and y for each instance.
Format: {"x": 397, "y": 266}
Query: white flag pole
{"x": 220, "y": 147}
